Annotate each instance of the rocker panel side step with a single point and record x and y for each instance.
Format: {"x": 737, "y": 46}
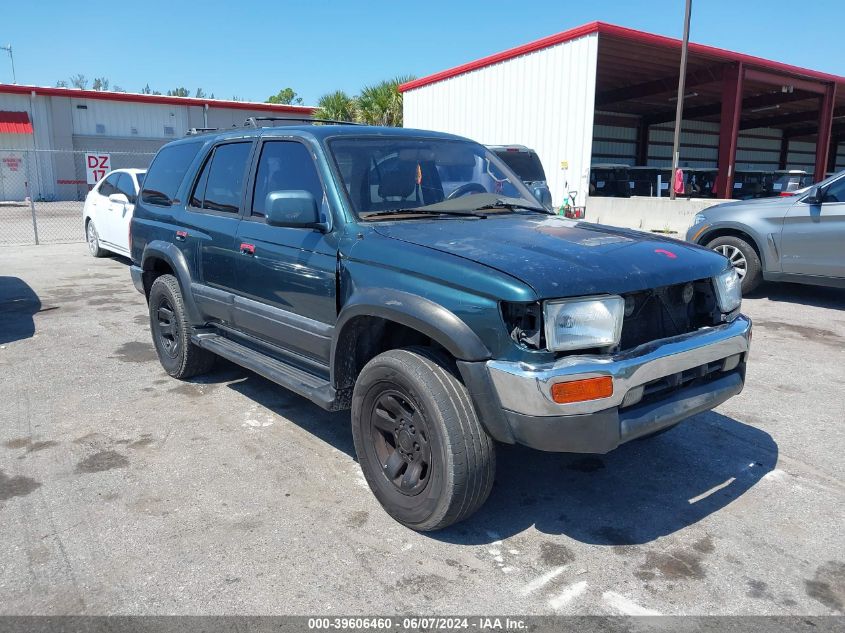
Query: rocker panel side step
{"x": 315, "y": 388}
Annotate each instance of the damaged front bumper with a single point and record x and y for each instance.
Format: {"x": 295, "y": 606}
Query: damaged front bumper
{"x": 655, "y": 386}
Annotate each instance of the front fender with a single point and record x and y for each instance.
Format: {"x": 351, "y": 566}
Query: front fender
{"x": 418, "y": 313}
{"x": 175, "y": 259}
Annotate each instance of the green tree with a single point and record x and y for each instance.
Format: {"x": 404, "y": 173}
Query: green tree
{"x": 181, "y": 91}
{"x": 337, "y": 106}
{"x": 381, "y": 104}
{"x": 79, "y": 81}
{"x": 146, "y": 90}
{"x": 200, "y": 94}
{"x": 285, "y": 96}
{"x": 100, "y": 83}
{"x": 61, "y": 83}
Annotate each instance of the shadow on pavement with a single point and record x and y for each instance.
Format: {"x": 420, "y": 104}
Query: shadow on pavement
{"x": 815, "y": 296}
{"x": 18, "y": 304}
{"x": 331, "y": 427}
{"x": 641, "y": 491}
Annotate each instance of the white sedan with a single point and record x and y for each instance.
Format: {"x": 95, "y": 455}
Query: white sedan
{"x": 108, "y": 210}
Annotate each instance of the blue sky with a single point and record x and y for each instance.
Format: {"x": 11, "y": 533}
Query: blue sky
{"x": 252, "y": 49}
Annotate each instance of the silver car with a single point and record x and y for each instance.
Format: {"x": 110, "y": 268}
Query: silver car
{"x": 799, "y": 239}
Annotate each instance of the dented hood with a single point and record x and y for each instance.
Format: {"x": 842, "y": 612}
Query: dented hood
{"x": 559, "y": 257}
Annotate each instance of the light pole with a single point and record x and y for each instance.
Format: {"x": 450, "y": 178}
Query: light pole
{"x": 679, "y": 112}
{"x": 8, "y": 49}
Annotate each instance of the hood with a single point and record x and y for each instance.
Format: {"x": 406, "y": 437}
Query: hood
{"x": 737, "y": 205}
{"x": 562, "y": 258}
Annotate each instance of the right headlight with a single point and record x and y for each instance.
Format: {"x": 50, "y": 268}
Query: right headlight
{"x": 728, "y": 290}
{"x": 583, "y": 323}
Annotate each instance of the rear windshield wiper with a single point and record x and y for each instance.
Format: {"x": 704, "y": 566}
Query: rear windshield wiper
{"x": 419, "y": 211}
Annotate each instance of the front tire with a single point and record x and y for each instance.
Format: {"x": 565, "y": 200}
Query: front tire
{"x": 172, "y": 332}
{"x": 421, "y": 448}
{"x": 743, "y": 257}
{"x": 93, "y": 239}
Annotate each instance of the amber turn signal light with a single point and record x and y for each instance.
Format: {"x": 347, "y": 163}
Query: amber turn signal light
{"x": 582, "y": 390}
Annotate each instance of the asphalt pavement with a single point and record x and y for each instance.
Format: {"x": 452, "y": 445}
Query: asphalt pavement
{"x": 124, "y": 491}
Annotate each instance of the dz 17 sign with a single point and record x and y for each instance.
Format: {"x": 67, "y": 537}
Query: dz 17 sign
{"x": 96, "y": 166}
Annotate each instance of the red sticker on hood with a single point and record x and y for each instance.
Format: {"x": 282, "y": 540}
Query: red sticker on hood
{"x": 663, "y": 251}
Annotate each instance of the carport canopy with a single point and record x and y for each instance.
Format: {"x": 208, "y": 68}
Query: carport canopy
{"x": 14, "y": 123}
{"x": 637, "y": 74}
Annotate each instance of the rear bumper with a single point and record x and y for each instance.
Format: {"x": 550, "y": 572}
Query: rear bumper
{"x": 137, "y": 277}
{"x": 655, "y": 386}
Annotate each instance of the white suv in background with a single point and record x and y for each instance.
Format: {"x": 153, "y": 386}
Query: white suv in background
{"x": 108, "y": 210}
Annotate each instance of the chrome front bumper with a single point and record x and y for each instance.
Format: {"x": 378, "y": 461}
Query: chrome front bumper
{"x": 525, "y": 389}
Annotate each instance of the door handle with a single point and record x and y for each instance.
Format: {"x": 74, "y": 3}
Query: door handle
{"x": 247, "y": 249}
{"x": 181, "y": 235}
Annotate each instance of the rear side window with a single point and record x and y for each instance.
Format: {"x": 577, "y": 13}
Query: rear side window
{"x": 109, "y": 185}
{"x": 166, "y": 173}
{"x": 836, "y": 192}
{"x": 126, "y": 186}
{"x": 284, "y": 166}
{"x": 220, "y": 185}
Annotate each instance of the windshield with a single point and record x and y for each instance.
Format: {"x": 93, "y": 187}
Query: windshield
{"x": 382, "y": 175}
{"x": 526, "y": 165}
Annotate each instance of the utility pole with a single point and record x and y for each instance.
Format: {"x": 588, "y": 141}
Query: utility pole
{"x": 679, "y": 112}
{"x": 8, "y": 49}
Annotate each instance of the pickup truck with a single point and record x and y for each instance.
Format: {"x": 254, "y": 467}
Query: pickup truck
{"x": 411, "y": 277}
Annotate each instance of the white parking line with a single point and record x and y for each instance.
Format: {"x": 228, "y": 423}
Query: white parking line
{"x": 542, "y": 581}
{"x": 624, "y": 605}
{"x": 707, "y": 493}
{"x": 568, "y": 594}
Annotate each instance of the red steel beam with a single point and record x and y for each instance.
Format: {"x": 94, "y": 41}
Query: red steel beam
{"x": 825, "y": 126}
{"x": 658, "y": 86}
{"x": 776, "y": 79}
{"x": 732, "y": 83}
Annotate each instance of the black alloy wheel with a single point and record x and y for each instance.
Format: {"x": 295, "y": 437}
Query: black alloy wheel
{"x": 400, "y": 439}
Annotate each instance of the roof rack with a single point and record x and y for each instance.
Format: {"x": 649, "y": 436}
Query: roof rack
{"x": 253, "y": 120}
{"x": 200, "y": 130}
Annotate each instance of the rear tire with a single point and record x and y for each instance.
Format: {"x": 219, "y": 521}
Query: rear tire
{"x": 743, "y": 257}
{"x": 172, "y": 332}
{"x": 421, "y": 448}
{"x": 93, "y": 239}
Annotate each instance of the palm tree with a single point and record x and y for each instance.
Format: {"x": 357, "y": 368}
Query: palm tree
{"x": 337, "y": 106}
{"x": 381, "y": 104}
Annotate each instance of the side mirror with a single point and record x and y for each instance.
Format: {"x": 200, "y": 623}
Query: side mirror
{"x": 814, "y": 196}
{"x": 119, "y": 198}
{"x": 294, "y": 208}
{"x": 543, "y": 195}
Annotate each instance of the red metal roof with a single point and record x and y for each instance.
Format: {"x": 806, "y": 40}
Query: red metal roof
{"x": 15, "y": 123}
{"x": 621, "y": 32}
{"x": 158, "y": 99}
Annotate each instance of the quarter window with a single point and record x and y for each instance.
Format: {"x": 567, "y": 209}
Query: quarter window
{"x": 220, "y": 185}
{"x": 284, "y": 166}
{"x": 167, "y": 172}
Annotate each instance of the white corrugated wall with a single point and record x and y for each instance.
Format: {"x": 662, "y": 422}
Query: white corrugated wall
{"x": 544, "y": 100}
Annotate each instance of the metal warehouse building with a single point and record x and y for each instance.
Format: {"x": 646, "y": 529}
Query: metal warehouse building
{"x": 601, "y": 93}
{"x": 46, "y": 133}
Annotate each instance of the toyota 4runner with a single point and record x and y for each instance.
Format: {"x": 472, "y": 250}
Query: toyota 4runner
{"x": 410, "y": 276}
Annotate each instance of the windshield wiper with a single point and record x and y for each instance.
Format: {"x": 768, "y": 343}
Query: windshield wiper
{"x": 506, "y": 203}
{"x": 420, "y": 211}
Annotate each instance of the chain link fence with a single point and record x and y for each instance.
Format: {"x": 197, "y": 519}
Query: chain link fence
{"x": 42, "y": 192}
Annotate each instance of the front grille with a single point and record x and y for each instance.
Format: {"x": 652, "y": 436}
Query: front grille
{"x": 662, "y": 312}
